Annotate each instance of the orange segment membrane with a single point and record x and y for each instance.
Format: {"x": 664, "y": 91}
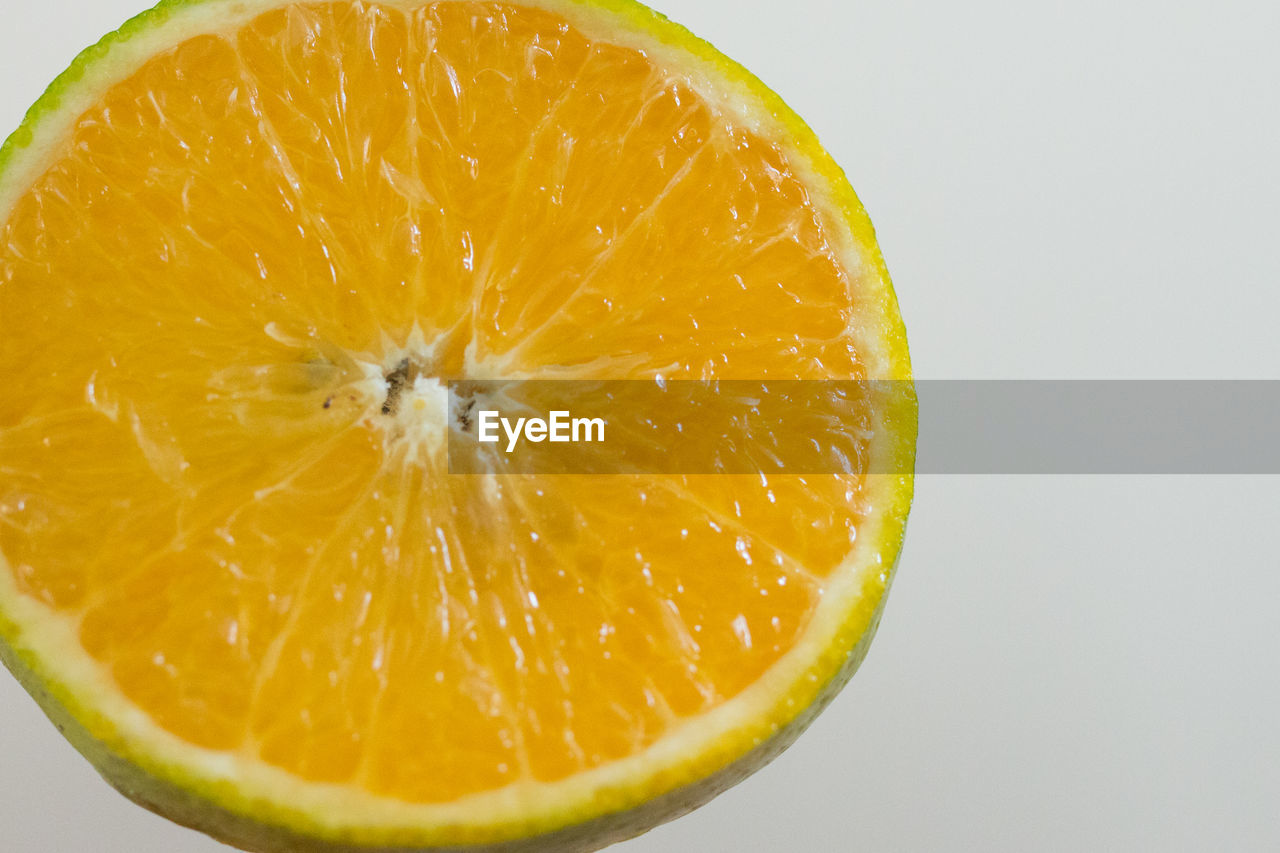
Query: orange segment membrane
{"x": 201, "y": 300}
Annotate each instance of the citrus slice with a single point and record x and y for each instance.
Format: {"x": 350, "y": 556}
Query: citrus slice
{"x": 245, "y": 243}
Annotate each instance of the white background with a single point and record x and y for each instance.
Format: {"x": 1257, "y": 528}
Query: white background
{"x": 1062, "y": 190}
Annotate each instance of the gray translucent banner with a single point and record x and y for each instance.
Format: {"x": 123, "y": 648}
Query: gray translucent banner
{"x": 823, "y": 427}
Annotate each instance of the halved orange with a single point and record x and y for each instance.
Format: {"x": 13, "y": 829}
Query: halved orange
{"x": 244, "y": 243}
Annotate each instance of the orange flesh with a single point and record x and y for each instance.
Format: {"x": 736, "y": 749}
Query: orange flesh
{"x": 194, "y": 467}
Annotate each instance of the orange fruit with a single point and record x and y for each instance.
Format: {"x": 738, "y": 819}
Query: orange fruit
{"x": 243, "y": 244}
